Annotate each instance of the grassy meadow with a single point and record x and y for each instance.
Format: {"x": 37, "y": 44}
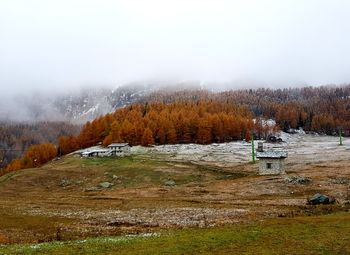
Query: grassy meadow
{"x": 328, "y": 234}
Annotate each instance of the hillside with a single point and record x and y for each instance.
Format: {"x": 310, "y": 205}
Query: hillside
{"x": 159, "y": 188}
{"x": 179, "y": 122}
{"x": 204, "y": 117}
{"x": 322, "y": 109}
{"x": 16, "y": 138}
{"x": 199, "y": 116}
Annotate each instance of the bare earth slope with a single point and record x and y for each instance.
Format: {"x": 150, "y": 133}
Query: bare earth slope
{"x": 170, "y": 186}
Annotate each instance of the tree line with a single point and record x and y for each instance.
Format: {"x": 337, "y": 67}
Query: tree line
{"x": 16, "y": 138}
{"x": 204, "y": 121}
{"x": 324, "y": 109}
{"x": 35, "y": 156}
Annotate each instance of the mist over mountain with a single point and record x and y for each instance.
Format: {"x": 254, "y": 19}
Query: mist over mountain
{"x": 85, "y": 104}
{"x": 79, "y": 106}
{"x": 50, "y": 52}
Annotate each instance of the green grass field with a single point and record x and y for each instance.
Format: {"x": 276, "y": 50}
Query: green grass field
{"x": 136, "y": 171}
{"x": 329, "y": 234}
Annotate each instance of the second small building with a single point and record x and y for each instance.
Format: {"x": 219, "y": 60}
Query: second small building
{"x": 271, "y": 162}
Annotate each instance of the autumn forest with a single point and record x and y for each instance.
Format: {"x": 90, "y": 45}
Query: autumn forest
{"x": 199, "y": 116}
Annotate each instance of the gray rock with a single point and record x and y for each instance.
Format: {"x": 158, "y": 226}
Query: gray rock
{"x": 274, "y": 139}
{"x": 106, "y": 185}
{"x": 170, "y": 183}
{"x": 311, "y": 133}
{"x": 65, "y": 183}
{"x": 341, "y": 181}
{"x": 318, "y": 199}
{"x": 297, "y": 180}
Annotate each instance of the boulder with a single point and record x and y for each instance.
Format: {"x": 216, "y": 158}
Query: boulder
{"x": 106, "y": 185}
{"x": 318, "y": 199}
{"x": 274, "y": 139}
{"x": 170, "y": 183}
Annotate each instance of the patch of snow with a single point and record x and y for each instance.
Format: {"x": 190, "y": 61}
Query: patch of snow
{"x": 89, "y": 149}
{"x": 266, "y": 123}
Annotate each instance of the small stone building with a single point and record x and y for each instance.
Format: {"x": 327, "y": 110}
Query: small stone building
{"x": 114, "y": 149}
{"x": 271, "y": 162}
{"x": 95, "y": 153}
{"x": 119, "y": 149}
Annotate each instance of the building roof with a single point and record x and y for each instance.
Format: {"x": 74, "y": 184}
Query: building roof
{"x": 118, "y": 144}
{"x": 93, "y": 151}
{"x": 272, "y": 154}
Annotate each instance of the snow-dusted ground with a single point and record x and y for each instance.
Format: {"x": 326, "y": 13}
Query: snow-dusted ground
{"x": 197, "y": 203}
{"x": 93, "y": 148}
{"x": 300, "y": 147}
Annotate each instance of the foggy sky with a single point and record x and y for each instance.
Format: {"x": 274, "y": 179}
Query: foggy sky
{"x": 50, "y": 45}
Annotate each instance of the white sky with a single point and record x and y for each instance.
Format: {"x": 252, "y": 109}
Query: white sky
{"x": 67, "y": 43}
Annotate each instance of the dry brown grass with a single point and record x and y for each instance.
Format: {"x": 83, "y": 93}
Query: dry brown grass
{"x": 36, "y": 205}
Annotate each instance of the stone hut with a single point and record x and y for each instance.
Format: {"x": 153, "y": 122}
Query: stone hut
{"x": 119, "y": 149}
{"x": 114, "y": 149}
{"x": 271, "y": 162}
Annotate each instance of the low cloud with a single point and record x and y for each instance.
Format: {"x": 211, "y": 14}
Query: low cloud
{"x": 63, "y": 45}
